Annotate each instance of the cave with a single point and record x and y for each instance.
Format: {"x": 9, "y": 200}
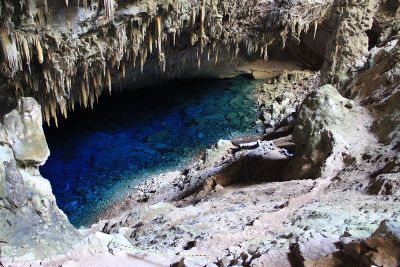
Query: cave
{"x": 199, "y": 133}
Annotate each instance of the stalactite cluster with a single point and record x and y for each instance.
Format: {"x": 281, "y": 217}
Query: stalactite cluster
{"x": 62, "y": 72}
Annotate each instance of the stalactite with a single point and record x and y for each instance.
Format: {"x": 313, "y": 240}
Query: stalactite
{"x": 63, "y": 109}
{"x": 46, "y": 114}
{"x": 315, "y": 28}
{"x": 109, "y": 8}
{"x": 202, "y": 18}
{"x": 109, "y": 81}
{"x": 66, "y": 2}
{"x": 123, "y": 70}
{"x": 199, "y": 63}
{"x": 99, "y": 80}
{"x": 91, "y": 100}
{"x": 174, "y": 38}
{"x": 265, "y": 54}
{"x": 161, "y": 56}
{"x": 72, "y": 101}
{"x": 23, "y": 46}
{"x": 9, "y": 50}
{"x": 283, "y": 35}
{"x": 84, "y": 94}
{"x": 193, "y": 17}
{"x": 307, "y": 28}
{"x": 53, "y": 111}
{"x": 237, "y": 50}
{"x": 46, "y": 9}
{"x": 159, "y": 33}
{"x": 150, "y": 43}
{"x": 299, "y": 29}
{"x": 39, "y": 50}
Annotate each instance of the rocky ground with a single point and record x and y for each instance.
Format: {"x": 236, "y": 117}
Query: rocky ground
{"x": 236, "y": 207}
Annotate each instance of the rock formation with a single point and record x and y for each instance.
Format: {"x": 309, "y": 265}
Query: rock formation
{"x": 320, "y": 188}
{"x": 65, "y": 53}
{"x": 31, "y": 224}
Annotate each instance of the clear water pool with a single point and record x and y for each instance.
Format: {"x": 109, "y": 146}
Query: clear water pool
{"x": 98, "y": 155}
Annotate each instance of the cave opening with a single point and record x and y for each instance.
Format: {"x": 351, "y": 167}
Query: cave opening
{"x": 98, "y": 155}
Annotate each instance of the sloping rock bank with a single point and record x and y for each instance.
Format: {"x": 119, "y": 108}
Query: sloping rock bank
{"x": 211, "y": 215}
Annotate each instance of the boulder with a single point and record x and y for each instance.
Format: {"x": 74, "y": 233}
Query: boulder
{"x": 24, "y": 132}
{"x": 330, "y": 132}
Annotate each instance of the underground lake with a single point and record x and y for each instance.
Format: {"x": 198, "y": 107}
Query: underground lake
{"x": 99, "y": 155}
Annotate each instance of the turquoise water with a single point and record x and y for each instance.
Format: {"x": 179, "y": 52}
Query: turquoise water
{"x": 98, "y": 155}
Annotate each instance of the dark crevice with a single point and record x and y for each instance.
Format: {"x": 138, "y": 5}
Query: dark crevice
{"x": 373, "y": 37}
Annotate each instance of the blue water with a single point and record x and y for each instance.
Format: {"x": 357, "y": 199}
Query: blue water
{"x": 98, "y": 155}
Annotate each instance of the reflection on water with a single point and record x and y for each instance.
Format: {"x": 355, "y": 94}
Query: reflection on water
{"x": 97, "y": 155}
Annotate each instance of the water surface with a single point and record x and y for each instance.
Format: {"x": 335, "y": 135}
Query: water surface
{"x": 97, "y": 155}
